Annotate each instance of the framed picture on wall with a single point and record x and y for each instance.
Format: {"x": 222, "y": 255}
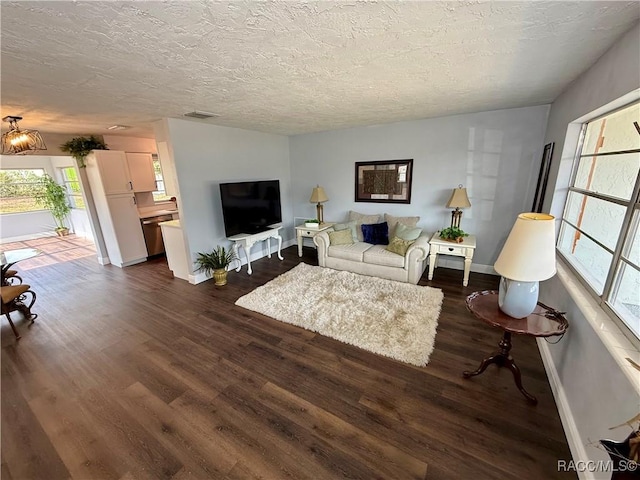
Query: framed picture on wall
{"x": 384, "y": 181}
{"x": 543, "y": 178}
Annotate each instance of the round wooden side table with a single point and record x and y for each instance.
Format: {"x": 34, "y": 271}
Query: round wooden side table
{"x": 543, "y": 322}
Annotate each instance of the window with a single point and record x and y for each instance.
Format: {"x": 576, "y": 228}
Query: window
{"x": 18, "y": 189}
{"x": 160, "y": 194}
{"x": 599, "y": 228}
{"x": 72, "y": 184}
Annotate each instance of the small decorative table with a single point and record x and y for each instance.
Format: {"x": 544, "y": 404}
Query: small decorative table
{"x": 543, "y": 322}
{"x": 439, "y": 246}
{"x": 246, "y": 241}
{"x": 309, "y": 232}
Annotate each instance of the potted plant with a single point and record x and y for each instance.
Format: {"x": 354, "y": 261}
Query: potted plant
{"x": 216, "y": 263}
{"x": 313, "y": 223}
{"x": 53, "y": 197}
{"x": 453, "y": 234}
{"x": 80, "y": 147}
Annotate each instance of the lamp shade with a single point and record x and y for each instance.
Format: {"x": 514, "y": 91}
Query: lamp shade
{"x": 318, "y": 195}
{"x": 459, "y": 198}
{"x": 529, "y": 254}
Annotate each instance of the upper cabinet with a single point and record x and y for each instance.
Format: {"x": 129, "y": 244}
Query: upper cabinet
{"x": 122, "y": 172}
{"x": 114, "y": 171}
{"x": 143, "y": 177}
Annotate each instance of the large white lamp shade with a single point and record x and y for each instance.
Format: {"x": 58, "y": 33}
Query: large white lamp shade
{"x": 528, "y": 257}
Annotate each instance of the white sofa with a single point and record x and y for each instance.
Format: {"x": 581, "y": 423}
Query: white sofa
{"x": 374, "y": 260}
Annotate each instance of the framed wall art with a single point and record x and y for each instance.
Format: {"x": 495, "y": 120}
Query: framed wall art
{"x": 543, "y": 178}
{"x": 384, "y": 181}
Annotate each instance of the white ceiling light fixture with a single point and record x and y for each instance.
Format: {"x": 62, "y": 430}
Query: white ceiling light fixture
{"x": 20, "y": 142}
{"x": 118, "y": 127}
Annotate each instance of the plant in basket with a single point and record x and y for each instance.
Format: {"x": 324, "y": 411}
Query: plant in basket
{"x": 453, "y": 234}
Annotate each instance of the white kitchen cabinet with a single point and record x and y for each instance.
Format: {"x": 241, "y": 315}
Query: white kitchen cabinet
{"x": 127, "y": 229}
{"x": 117, "y": 213}
{"x": 143, "y": 177}
{"x": 113, "y": 171}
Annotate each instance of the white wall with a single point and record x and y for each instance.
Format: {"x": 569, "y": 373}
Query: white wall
{"x": 130, "y": 144}
{"x": 206, "y": 155}
{"x": 495, "y": 155}
{"x": 589, "y": 381}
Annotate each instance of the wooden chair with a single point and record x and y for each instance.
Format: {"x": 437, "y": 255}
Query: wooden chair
{"x": 13, "y": 297}
{"x": 11, "y": 277}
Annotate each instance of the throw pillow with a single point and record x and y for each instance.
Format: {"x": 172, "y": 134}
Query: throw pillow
{"x": 407, "y": 233}
{"x": 376, "y": 233}
{"x": 341, "y": 237}
{"x": 399, "y": 246}
{"x": 394, "y": 221}
{"x": 361, "y": 218}
{"x": 348, "y": 226}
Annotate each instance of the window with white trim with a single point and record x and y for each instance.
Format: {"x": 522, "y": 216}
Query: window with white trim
{"x": 160, "y": 194}
{"x": 72, "y": 184}
{"x": 599, "y": 228}
{"x": 18, "y": 190}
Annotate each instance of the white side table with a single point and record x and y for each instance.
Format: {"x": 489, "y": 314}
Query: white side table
{"x": 246, "y": 241}
{"x": 465, "y": 249}
{"x": 310, "y": 232}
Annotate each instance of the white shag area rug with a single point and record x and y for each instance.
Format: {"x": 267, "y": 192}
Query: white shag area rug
{"x": 393, "y": 319}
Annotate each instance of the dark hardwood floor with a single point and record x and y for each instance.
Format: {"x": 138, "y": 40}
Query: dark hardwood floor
{"x": 131, "y": 374}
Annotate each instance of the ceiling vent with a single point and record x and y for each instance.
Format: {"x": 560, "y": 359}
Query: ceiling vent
{"x": 201, "y": 115}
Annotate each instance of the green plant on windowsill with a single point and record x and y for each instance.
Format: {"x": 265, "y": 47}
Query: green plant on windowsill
{"x": 453, "y": 234}
{"x": 80, "y": 147}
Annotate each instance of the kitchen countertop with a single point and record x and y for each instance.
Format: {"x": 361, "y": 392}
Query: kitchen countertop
{"x": 170, "y": 223}
{"x": 157, "y": 213}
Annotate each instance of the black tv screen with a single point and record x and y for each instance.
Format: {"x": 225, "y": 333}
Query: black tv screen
{"x": 250, "y": 207}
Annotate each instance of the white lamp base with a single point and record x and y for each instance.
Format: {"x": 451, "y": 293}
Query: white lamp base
{"x": 517, "y": 299}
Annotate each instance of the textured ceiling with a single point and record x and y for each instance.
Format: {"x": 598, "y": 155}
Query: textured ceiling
{"x": 291, "y": 67}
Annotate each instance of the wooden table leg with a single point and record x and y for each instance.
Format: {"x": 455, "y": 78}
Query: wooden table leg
{"x": 502, "y": 358}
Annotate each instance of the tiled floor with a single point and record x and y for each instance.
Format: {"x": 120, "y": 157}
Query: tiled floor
{"x": 54, "y": 250}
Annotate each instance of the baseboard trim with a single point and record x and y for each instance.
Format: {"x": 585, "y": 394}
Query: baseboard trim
{"x": 574, "y": 440}
{"x": 457, "y": 263}
{"x": 32, "y": 236}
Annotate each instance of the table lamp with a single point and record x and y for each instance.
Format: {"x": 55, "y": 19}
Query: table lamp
{"x": 458, "y": 200}
{"x": 318, "y": 196}
{"x": 528, "y": 257}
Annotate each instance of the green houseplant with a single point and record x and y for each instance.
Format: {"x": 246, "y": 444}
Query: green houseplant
{"x": 453, "y": 234}
{"x": 53, "y": 197}
{"x": 313, "y": 223}
{"x": 80, "y": 147}
{"x": 216, "y": 263}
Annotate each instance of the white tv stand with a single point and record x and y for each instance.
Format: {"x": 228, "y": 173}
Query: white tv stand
{"x": 247, "y": 240}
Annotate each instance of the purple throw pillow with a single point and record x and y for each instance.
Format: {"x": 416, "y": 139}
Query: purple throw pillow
{"x": 376, "y": 233}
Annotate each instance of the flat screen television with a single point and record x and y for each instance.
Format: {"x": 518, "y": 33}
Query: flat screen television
{"x": 250, "y": 207}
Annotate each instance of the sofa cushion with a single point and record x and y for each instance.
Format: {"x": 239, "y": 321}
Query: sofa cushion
{"x": 379, "y": 255}
{"x": 350, "y": 226}
{"x": 393, "y": 221}
{"x": 376, "y": 233}
{"x": 406, "y": 233}
{"x": 341, "y": 237}
{"x": 361, "y": 218}
{"x": 353, "y": 252}
{"x": 399, "y": 246}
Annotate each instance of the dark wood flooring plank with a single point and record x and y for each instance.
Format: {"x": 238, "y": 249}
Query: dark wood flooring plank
{"x": 27, "y": 451}
{"x": 197, "y": 454}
